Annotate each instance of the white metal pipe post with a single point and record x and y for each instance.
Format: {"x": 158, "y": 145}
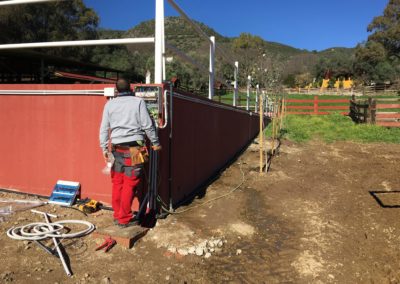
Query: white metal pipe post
{"x": 18, "y": 2}
{"x": 212, "y": 69}
{"x": 164, "y": 70}
{"x": 235, "y": 91}
{"x": 77, "y": 43}
{"x": 248, "y": 93}
{"x": 257, "y": 94}
{"x": 158, "y": 47}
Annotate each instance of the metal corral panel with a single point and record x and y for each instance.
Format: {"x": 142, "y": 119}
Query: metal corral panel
{"x": 206, "y": 135}
{"x": 45, "y": 138}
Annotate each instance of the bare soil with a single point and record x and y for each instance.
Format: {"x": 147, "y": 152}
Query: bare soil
{"x": 311, "y": 219}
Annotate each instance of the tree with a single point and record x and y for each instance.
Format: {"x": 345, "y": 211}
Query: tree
{"x": 66, "y": 20}
{"x": 386, "y": 28}
{"x": 303, "y": 80}
{"x": 378, "y": 59}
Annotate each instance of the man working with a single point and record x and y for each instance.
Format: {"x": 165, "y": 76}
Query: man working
{"x": 125, "y": 122}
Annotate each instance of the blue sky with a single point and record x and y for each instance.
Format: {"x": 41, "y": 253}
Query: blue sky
{"x": 305, "y": 24}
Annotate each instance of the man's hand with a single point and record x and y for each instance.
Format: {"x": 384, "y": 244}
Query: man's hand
{"x": 156, "y": 147}
{"x": 105, "y": 156}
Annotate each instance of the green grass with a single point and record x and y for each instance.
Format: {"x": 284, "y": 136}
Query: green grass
{"x": 335, "y": 127}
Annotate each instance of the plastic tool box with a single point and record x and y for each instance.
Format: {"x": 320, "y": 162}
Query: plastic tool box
{"x": 65, "y": 192}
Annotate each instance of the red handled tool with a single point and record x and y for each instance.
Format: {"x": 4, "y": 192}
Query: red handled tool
{"x": 107, "y": 245}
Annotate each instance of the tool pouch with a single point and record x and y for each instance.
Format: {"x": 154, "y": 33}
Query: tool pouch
{"x": 139, "y": 155}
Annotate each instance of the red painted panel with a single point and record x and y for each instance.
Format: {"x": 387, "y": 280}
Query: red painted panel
{"x": 46, "y": 138}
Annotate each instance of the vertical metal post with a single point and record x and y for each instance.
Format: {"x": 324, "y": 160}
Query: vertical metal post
{"x": 212, "y": 69}
{"x": 248, "y": 92}
{"x": 261, "y": 135}
{"x": 235, "y": 91}
{"x": 158, "y": 46}
{"x": 164, "y": 70}
{"x": 257, "y": 94}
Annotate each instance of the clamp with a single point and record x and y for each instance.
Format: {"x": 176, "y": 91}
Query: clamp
{"x": 107, "y": 245}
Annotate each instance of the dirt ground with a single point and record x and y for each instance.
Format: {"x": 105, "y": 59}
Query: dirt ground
{"x": 312, "y": 219}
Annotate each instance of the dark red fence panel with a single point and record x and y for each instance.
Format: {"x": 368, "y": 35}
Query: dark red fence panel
{"x": 205, "y": 136}
{"x": 47, "y": 138}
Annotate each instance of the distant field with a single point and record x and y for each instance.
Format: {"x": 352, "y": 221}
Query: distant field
{"x": 335, "y": 127}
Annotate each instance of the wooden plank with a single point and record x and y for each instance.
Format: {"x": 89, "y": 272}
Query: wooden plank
{"x": 300, "y": 107}
{"x": 300, "y": 112}
{"x": 334, "y": 101}
{"x": 382, "y": 106}
{"x": 388, "y": 115}
{"x": 388, "y": 123}
{"x": 124, "y": 236}
{"x": 313, "y": 113}
{"x": 333, "y": 107}
{"x": 388, "y": 100}
{"x": 299, "y": 101}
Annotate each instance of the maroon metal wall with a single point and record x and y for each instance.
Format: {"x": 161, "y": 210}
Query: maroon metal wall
{"x": 206, "y": 135}
{"x": 46, "y": 138}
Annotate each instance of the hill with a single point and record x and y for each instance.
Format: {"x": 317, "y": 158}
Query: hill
{"x": 247, "y": 48}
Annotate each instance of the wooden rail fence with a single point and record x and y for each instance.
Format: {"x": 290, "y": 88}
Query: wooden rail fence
{"x": 317, "y": 106}
{"x": 381, "y": 111}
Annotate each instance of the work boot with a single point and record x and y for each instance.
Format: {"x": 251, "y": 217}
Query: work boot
{"x": 133, "y": 222}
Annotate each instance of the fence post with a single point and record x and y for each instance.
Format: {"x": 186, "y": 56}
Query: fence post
{"x": 372, "y": 107}
{"x": 257, "y": 93}
{"x": 367, "y": 111}
{"x": 212, "y": 69}
{"x": 235, "y": 91}
{"x": 261, "y": 139}
{"x": 158, "y": 53}
{"x": 248, "y": 93}
{"x": 315, "y": 104}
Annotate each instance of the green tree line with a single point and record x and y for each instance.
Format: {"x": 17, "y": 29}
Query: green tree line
{"x": 270, "y": 64}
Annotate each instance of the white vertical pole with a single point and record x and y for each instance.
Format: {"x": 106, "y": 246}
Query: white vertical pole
{"x": 257, "y": 94}
{"x": 212, "y": 69}
{"x": 235, "y": 91}
{"x": 158, "y": 47}
{"x": 248, "y": 92}
{"x": 164, "y": 70}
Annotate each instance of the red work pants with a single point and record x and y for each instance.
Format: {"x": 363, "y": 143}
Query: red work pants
{"x": 126, "y": 180}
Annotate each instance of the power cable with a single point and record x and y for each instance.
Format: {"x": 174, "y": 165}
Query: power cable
{"x": 163, "y": 205}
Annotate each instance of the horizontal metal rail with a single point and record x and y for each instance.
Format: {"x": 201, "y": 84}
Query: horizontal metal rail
{"x": 19, "y": 2}
{"x": 52, "y": 92}
{"x": 97, "y": 42}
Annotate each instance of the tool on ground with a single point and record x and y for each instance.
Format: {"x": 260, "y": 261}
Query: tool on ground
{"x": 88, "y": 205}
{"x": 65, "y": 192}
{"x": 56, "y": 244}
{"x": 39, "y": 231}
{"x": 107, "y": 245}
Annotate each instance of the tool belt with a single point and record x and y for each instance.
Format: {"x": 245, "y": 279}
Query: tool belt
{"x": 138, "y": 154}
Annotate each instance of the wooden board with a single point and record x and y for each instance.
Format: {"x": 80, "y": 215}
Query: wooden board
{"x": 124, "y": 236}
{"x": 388, "y": 123}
